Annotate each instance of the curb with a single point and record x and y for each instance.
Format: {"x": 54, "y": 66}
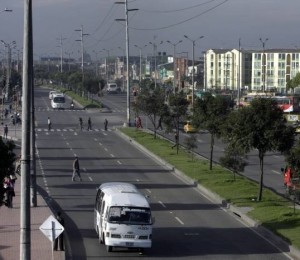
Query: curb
{"x": 235, "y": 211}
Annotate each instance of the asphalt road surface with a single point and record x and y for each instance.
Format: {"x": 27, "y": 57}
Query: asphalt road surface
{"x": 187, "y": 224}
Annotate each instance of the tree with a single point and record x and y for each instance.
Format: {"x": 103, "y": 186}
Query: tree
{"x": 259, "y": 126}
{"x": 176, "y": 113}
{"x": 293, "y": 156}
{"x": 293, "y": 83}
{"x": 151, "y": 102}
{"x": 209, "y": 113}
{"x": 191, "y": 144}
{"x": 6, "y": 163}
{"x": 233, "y": 159}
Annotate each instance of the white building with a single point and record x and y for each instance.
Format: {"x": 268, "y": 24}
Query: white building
{"x": 250, "y": 69}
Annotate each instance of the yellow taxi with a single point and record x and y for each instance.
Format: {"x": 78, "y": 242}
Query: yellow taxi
{"x": 188, "y": 127}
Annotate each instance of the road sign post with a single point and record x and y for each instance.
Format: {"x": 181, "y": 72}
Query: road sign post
{"x": 51, "y": 228}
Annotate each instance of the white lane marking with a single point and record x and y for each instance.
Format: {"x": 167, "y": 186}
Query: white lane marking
{"x": 111, "y": 155}
{"x": 179, "y": 220}
{"x": 95, "y": 139}
{"x": 119, "y": 162}
{"x": 277, "y": 172}
{"x": 161, "y": 203}
{"x": 90, "y": 178}
{"x": 105, "y": 149}
{"x": 75, "y": 133}
{"x": 149, "y": 191}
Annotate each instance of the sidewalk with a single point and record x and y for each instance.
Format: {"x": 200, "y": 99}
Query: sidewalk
{"x": 41, "y": 246}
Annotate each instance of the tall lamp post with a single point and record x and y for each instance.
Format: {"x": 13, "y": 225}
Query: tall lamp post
{"x": 82, "y": 49}
{"x": 155, "y": 61}
{"x": 174, "y": 63}
{"x": 127, "y": 55}
{"x": 193, "y": 64}
{"x": 263, "y": 60}
{"x": 107, "y": 66}
{"x": 123, "y": 76}
{"x": 140, "y": 48}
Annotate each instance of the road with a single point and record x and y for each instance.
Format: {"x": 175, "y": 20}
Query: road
{"x": 187, "y": 224}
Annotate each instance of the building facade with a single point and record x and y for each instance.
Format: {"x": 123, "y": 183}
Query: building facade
{"x": 254, "y": 70}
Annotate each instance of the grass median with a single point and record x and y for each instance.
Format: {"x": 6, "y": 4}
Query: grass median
{"x": 274, "y": 212}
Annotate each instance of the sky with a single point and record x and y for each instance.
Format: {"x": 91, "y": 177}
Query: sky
{"x": 221, "y": 22}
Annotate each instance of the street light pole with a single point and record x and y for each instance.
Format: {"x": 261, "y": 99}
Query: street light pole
{"x": 127, "y": 56}
{"x": 140, "y": 48}
{"x": 61, "y": 52}
{"x": 25, "y": 238}
{"x": 155, "y": 61}
{"x": 174, "y": 63}
{"x": 264, "y": 60}
{"x": 193, "y": 64}
{"x": 82, "y": 49}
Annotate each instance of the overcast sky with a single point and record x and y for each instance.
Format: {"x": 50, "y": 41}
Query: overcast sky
{"x": 221, "y": 22}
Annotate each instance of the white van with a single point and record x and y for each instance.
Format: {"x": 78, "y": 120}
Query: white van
{"x": 112, "y": 88}
{"x": 58, "y": 101}
{"x": 122, "y": 217}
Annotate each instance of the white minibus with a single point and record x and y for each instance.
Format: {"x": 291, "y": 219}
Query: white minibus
{"x": 58, "y": 101}
{"x": 122, "y": 217}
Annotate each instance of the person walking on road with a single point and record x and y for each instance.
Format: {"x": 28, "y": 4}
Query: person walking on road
{"x": 80, "y": 123}
{"x": 5, "y": 131}
{"x": 105, "y": 124}
{"x": 76, "y": 169}
{"x": 49, "y": 124}
{"x": 89, "y": 124}
{"x": 60, "y": 239}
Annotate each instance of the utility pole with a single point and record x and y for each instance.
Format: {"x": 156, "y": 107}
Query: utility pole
{"x": 25, "y": 238}
{"x": 127, "y": 55}
{"x": 193, "y": 65}
{"x": 107, "y": 66}
{"x": 61, "y": 39}
{"x": 239, "y": 76}
{"x": 140, "y": 48}
{"x": 82, "y": 49}
{"x": 174, "y": 63}
{"x": 263, "y": 60}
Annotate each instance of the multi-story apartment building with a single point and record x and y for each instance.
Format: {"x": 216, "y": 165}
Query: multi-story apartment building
{"x": 254, "y": 70}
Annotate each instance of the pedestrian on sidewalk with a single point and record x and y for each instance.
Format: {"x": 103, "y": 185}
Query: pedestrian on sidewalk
{"x": 105, "y": 124}
{"x": 9, "y": 192}
{"x": 76, "y": 169}
{"x": 49, "y": 123}
{"x": 60, "y": 239}
{"x": 5, "y": 131}
{"x": 89, "y": 124}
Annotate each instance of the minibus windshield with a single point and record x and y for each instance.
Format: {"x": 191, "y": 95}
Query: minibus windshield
{"x": 129, "y": 215}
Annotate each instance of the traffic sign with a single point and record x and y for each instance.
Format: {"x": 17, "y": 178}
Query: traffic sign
{"x": 51, "y": 228}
